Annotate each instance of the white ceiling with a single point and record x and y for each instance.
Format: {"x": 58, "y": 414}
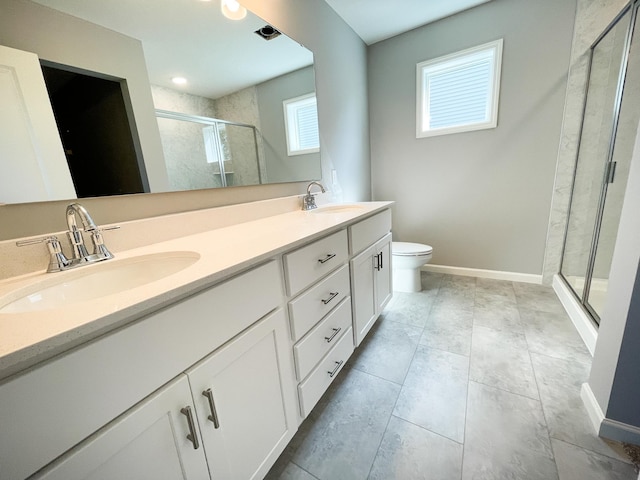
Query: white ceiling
{"x": 218, "y": 56}
{"x": 192, "y": 39}
{"x": 376, "y": 20}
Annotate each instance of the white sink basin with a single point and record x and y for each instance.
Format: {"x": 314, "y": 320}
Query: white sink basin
{"x": 92, "y": 282}
{"x": 337, "y": 208}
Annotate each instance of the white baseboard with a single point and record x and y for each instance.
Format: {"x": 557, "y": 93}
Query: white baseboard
{"x": 593, "y": 407}
{"x": 478, "y": 272}
{"x": 581, "y": 320}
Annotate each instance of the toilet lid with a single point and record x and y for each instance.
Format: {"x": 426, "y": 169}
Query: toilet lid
{"x": 407, "y": 248}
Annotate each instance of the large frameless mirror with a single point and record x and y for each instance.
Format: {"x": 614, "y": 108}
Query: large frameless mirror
{"x": 233, "y": 104}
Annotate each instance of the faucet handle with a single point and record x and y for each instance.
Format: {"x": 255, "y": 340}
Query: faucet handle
{"x": 34, "y": 241}
{"x": 99, "y": 248}
{"x": 57, "y": 260}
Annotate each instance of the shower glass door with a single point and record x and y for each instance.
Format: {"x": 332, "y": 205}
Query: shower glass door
{"x": 625, "y": 134}
{"x": 593, "y": 216}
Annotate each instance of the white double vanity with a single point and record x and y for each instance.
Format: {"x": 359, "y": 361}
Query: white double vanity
{"x": 206, "y": 366}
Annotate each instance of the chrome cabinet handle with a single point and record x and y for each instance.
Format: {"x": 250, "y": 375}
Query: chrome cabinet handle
{"x": 376, "y": 262}
{"x": 193, "y": 437}
{"x": 327, "y": 258}
{"x": 335, "y": 332}
{"x": 331, "y": 297}
{"x": 212, "y": 406}
{"x": 338, "y": 365}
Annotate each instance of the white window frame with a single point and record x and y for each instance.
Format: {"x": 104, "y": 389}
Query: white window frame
{"x": 291, "y": 126}
{"x": 450, "y": 61}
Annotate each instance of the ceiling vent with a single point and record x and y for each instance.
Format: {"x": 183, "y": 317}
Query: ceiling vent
{"x": 267, "y": 32}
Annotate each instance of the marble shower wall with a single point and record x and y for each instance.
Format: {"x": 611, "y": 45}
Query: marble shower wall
{"x": 592, "y": 17}
{"x": 183, "y": 144}
{"x": 242, "y": 107}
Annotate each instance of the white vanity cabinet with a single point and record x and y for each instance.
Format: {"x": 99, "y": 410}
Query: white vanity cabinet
{"x": 320, "y": 316}
{"x": 370, "y": 271}
{"x": 55, "y": 406}
{"x": 230, "y": 416}
{"x": 148, "y": 442}
{"x": 245, "y": 401}
{"x": 211, "y": 381}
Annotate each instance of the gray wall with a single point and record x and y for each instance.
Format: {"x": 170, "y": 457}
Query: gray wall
{"x": 481, "y": 199}
{"x": 340, "y": 59}
{"x": 279, "y": 165}
{"x": 625, "y": 398}
{"x": 341, "y": 86}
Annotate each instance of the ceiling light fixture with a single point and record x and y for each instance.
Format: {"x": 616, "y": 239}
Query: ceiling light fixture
{"x": 179, "y": 80}
{"x": 232, "y": 9}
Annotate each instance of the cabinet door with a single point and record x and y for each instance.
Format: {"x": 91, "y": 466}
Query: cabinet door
{"x": 148, "y": 442}
{"x": 245, "y": 400}
{"x": 383, "y": 273}
{"x": 363, "y": 292}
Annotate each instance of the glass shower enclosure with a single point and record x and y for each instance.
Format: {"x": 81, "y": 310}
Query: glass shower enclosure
{"x": 609, "y": 127}
{"x": 202, "y": 152}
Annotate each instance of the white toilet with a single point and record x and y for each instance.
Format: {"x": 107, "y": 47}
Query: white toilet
{"x": 407, "y": 260}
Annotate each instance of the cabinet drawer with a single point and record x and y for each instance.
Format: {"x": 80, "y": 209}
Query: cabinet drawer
{"x": 312, "y": 262}
{"x": 321, "y": 338}
{"x": 307, "y": 309}
{"x": 108, "y": 376}
{"x": 315, "y": 385}
{"x": 368, "y": 231}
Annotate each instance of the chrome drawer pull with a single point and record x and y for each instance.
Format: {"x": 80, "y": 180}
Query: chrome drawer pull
{"x": 327, "y": 258}
{"x": 331, "y": 297}
{"x": 212, "y": 406}
{"x": 335, "y": 332}
{"x": 338, "y": 365}
{"x": 192, "y": 427}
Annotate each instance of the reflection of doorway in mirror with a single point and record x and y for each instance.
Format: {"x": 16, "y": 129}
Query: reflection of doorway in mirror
{"x": 32, "y": 163}
{"x": 97, "y": 137}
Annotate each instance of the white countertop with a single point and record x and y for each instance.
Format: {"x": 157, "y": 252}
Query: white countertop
{"x": 31, "y": 337}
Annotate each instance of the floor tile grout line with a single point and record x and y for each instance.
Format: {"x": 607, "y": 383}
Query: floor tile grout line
{"x": 304, "y": 469}
{"x": 400, "y": 390}
{"x": 466, "y": 404}
{"x": 628, "y": 462}
{"x": 354, "y": 367}
{"x": 428, "y": 429}
{"x": 542, "y": 406}
{"x": 386, "y": 427}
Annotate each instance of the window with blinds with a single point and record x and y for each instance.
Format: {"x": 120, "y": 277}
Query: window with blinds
{"x": 459, "y": 92}
{"x": 301, "y": 125}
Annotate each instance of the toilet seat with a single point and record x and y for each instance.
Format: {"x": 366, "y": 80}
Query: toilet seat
{"x": 408, "y": 249}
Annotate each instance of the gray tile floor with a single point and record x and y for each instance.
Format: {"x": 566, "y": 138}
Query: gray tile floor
{"x": 469, "y": 379}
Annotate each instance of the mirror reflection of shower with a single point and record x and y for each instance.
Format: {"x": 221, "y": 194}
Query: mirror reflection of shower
{"x": 610, "y": 123}
{"x": 202, "y": 152}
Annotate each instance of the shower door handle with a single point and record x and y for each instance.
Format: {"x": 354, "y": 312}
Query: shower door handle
{"x": 611, "y": 171}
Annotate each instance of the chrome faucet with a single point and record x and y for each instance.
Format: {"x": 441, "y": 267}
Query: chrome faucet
{"x": 308, "y": 201}
{"x": 74, "y": 210}
{"x": 58, "y": 261}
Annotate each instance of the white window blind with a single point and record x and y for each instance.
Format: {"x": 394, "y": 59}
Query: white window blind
{"x": 301, "y": 125}
{"x": 459, "y": 92}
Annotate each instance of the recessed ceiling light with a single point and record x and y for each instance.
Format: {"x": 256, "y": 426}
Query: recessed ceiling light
{"x": 179, "y": 80}
{"x": 232, "y": 9}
